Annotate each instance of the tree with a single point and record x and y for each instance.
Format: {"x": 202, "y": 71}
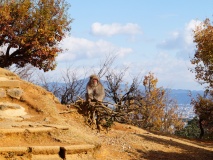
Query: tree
{"x": 152, "y": 104}
{"x": 158, "y": 112}
{"x": 171, "y": 120}
{"x": 30, "y": 31}
{"x": 203, "y": 61}
{"x": 113, "y": 85}
{"x": 73, "y": 86}
{"x": 191, "y": 130}
{"x": 68, "y": 87}
{"x": 203, "y": 58}
{"x": 150, "y": 108}
{"x": 118, "y": 93}
{"x": 27, "y": 72}
{"x": 204, "y": 109}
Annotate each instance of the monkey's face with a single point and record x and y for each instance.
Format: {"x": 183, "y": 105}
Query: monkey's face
{"x": 95, "y": 82}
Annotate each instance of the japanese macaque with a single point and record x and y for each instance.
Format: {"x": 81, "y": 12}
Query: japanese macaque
{"x": 95, "y": 90}
{"x": 95, "y": 93}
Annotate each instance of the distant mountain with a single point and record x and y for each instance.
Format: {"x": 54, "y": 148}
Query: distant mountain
{"x": 182, "y": 96}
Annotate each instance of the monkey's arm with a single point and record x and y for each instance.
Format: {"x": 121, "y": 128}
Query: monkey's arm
{"x": 89, "y": 94}
{"x": 100, "y": 93}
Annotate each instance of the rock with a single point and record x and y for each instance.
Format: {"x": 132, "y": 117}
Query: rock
{"x": 5, "y": 106}
{"x": 15, "y": 93}
{"x": 2, "y": 93}
{"x": 7, "y": 83}
{"x": 8, "y": 110}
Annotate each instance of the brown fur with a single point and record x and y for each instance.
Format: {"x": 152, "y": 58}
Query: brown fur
{"x": 95, "y": 92}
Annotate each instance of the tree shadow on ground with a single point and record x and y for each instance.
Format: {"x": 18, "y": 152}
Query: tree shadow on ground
{"x": 189, "y": 152}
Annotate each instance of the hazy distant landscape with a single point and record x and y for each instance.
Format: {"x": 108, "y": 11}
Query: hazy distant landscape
{"x": 182, "y": 96}
{"x": 183, "y": 100}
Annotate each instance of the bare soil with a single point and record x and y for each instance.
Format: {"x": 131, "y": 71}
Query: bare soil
{"x": 132, "y": 143}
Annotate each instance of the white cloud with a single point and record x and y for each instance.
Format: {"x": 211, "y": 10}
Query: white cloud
{"x": 171, "y": 72}
{"x": 99, "y": 29}
{"x": 188, "y": 34}
{"x": 181, "y": 41}
{"x": 81, "y": 48}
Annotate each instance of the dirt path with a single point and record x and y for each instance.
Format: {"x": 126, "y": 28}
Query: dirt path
{"x": 128, "y": 142}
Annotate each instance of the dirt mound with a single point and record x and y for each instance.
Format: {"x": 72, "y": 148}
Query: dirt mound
{"x": 35, "y": 100}
{"x": 32, "y": 116}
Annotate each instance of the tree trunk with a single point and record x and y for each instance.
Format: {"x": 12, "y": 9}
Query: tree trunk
{"x": 201, "y": 129}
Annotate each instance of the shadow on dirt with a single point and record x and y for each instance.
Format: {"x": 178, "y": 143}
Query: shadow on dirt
{"x": 188, "y": 152}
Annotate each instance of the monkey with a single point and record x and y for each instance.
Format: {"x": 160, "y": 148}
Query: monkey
{"x": 95, "y": 93}
{"x": 95, "y": 90}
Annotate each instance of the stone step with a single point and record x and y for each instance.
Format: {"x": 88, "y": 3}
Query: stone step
{"x": 83, "y": 151}
{"x": 45, "y": 128}
{"x": 76, "y": 150}
{"x": 80, "y": 157}
{"x": 73, "y": 149}
{"x": 15, "y": 150}
{"x": 47, "y": 157}
{"x": 57, "y": 126}
{"x": 33, "y": 150}
{"x": 22, "y": 130}
{"x": 44, "y": 150}
{"x": 68, "y": 157}
{"x": 9, "y": 83}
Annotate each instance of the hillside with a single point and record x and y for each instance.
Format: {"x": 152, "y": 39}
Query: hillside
{"x": 35, "y": 126}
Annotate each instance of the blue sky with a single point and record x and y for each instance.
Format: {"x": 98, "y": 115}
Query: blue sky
{"x": 147, "y": 35}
